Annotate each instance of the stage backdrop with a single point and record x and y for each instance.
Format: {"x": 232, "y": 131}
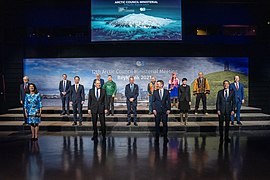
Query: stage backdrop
{"x": 47, "y": 72}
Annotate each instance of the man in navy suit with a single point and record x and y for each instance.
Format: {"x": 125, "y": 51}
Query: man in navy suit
{"x": 161, "y": 109}
{"x": 77, "y": 98}
{"x": 131, "y": 93}
{"x": 64, "y": 87}
{"x": 238, "y": 89}
{"x": 23, "y": 89}
{"x": 225, "y": 106}
{"x": 98, "y": 107}
{"x": 98, "y": 77}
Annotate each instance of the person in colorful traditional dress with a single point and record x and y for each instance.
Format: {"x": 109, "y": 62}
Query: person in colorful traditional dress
{"x": 173, "y": 88}
{"x": 150, "y": 88}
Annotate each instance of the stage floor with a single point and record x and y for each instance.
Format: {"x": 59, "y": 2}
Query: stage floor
{"x": 72, "y": 155}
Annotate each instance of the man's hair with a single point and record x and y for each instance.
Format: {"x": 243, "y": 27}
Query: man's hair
{"x": 131, "y": 77}
{"x": 64, "y": 74}
{"x": 25, "y": 77}
{"x": 226, "y": 81}
{"x": 162, "y": 82}
{"x": 76, "y": 77}
{"x": 109, "y": 75}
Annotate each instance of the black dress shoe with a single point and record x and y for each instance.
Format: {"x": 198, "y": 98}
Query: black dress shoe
{"x": 239, "y": 123}
{"x": 80, "y": 123}
{"x": 232, "y": 123}
{"x": 227, "y": 140}
{"x": 166, "y": 140}
{"x": 68, "y": 114}
{"x": 33, "y": 139}
{"x": 135, "y": 124}
{"x": 94, "y": 138}
{"x": 128, "y": 124}
{"x": 74, "y": 123}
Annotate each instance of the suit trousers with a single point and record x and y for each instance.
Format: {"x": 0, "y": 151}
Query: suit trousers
{"x": 101, "y": 117}
{"x": 77, "y": 109}
{"x": 65, "y": 101}
{"x": 132, "y": 107}
{"x": 161, "y": 117}
{"x": 238, "y": 105}
{"x": 222, "y": 118}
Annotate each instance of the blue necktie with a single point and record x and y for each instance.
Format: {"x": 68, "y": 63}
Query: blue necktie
{"x": 132, "y": 87}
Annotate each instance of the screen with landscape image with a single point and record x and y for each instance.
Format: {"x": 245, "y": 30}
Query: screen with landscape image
{"x": 113, "y": 20}
{"x": 46, "y": 73}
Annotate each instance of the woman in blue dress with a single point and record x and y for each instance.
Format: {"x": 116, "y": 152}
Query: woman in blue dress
{"x": 33, "y": 109}
{"x": 173, "y": 88}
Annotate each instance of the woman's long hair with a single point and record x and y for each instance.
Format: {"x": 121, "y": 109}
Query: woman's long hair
{"x": 35, "y": 88}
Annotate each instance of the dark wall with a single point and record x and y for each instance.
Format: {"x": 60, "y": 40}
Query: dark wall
{"x": 19, "y": 20}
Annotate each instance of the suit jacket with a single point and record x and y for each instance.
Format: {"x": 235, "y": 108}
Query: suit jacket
{"x": 22, "y": 92}
{"x": 161, "y": 105}
{"x": 182, "y": 96}
{"x": 132, "y": 94}
{"x": 61, "y": 87}
{"x": 97, "y": 106}
{"x": 101, "y": 82}
{"x": 239, "y": 94}
{"x": 223, "y": 105}
{"x": 79, "y": 96}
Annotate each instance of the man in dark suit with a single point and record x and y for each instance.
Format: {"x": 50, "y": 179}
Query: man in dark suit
{"x": 98, "y": 107}
{"x": 131, "y": 93}
{"x": 98, "y": 77}
{"x": 64, "y": 87}
{"x": 238, "y": 89}
{"x": 161, "y": 109}
{"x": 23, "y": 89}
{"x": 77, "y": 98}
{"x": 225, "y": 106}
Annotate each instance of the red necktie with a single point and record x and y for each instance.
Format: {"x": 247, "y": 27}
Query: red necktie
{"x": 237, "y": 86}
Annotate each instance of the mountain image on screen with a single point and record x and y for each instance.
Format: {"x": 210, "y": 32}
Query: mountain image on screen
{"x": 140, "y": 21}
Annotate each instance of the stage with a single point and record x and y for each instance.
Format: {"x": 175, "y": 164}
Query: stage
{"x": 252, "y": 119}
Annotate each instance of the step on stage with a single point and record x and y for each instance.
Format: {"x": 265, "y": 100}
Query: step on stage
{"x": 251, "y": 118}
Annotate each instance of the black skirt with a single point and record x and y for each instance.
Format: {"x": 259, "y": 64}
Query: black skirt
{"x": 184, "y": 105}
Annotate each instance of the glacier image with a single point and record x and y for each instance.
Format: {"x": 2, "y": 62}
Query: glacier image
{"x": 134, "y": 27}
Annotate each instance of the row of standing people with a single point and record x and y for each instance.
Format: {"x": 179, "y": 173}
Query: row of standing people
{"x": 97, "y": 109}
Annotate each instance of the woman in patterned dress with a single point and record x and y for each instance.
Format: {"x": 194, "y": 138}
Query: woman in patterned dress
{"x": 173, "y": 88}
{"x": 33, "y": 109}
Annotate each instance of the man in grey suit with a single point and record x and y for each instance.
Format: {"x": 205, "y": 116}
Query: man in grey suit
{"x": 131, "y": 93}
{"x": 23, "y": 90}
{"x": 77, "y": 98}
{"x": 225, "y": 107}
{"x": 64, "y": 87}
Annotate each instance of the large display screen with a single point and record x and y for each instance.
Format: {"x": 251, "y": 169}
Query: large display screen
{"x": 113, "y": 20}
{"x": 46, "y": 73}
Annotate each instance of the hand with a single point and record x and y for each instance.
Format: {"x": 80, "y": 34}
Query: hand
{"x": 64, "y": 93}
{"x": 168, "y": 112}
{"x": 82, "y": 102}
{"x": 89, "y": 111}
{"x": 155, "y": 112}
{"x": 106, "y": 111}
{"x": 21, "y": 102}
{"x": 131, "y": 99}
{"x": 113, "y": 95}
{"x": 189, "y": 103}
{"x": 206, "y": 94}
{"x": 70, "y": 103}
{"x": 218, "y": 112}
{"x": 26, "y": 115}
{"x": 243, "y": 101}
{"x": 232, "y": 113}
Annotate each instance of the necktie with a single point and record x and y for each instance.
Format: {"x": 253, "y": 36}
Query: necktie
{"x": 226, "y": 94}
{"x": 132, "y": 87}
{"x": 97, "y": 95}
{"x": 76, "y": 87}
{"x": 25, "y": 86}
{"x": 160, "y": 94}
{"x": 64, "y": 85}
{"x": 237, "y": 86}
